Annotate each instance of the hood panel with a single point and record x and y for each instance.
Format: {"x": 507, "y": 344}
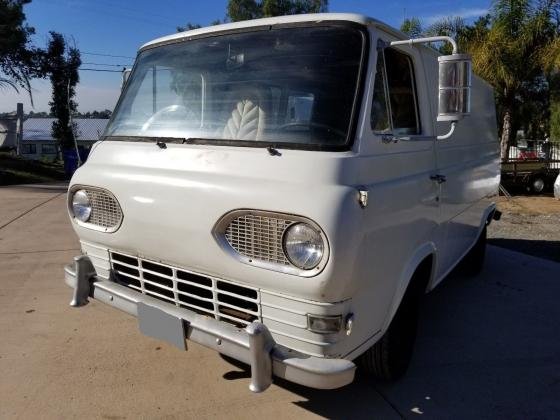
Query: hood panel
{"x": 172, "y": 198}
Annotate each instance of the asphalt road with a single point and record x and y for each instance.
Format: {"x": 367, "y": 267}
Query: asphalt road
{"x": 488, "y": 347}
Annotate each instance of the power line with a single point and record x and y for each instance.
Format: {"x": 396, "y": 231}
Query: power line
{"x": 105, "y": 55}
{"x": 105, "y": 70}
{"x": 111, "y": 4}
{"x": 106, "y": 64}
{"x": 103, "y": 12}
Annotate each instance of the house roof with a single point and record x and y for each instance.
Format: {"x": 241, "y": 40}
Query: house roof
{"x": 39, "y": 129}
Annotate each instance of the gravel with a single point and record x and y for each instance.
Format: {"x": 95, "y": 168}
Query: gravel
{"x": 530, "y": 225}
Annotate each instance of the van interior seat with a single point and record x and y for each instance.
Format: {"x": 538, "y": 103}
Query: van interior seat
{"x": 248, "y": 116}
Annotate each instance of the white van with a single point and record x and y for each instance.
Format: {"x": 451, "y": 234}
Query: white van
{"x": 281, "y": 191}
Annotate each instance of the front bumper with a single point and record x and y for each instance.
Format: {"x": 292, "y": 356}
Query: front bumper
{"x": 253, "y": 345}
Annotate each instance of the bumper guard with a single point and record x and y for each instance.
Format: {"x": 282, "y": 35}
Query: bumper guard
{"x": 253, "y": 345}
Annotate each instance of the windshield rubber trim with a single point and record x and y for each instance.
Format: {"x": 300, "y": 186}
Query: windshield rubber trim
{"x": 354, "y": 114}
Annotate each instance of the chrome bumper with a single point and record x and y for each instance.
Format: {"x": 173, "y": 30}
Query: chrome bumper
{"x": 254, "y": 345}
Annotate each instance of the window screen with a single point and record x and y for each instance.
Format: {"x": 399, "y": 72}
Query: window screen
{"x": 395, "y": 79}
{"x": 48, "y": 149}
{"x": 29, "y": 149}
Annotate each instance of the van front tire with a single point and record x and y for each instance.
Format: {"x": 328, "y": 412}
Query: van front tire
{"x": 388, "y": 359}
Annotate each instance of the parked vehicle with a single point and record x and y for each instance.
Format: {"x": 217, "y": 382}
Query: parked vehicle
{"x": 279, "y": 191}
{"x": 534, "y": 166}
{"x": 557, "y": 187}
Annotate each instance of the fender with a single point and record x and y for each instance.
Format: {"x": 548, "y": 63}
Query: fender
{"x": 485, "y": 220}
{"x": 426, "y": 250}
{"x": 487, "y": 217}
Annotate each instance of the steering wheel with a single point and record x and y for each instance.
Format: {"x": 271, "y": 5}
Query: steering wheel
{"x": 310, "y": 124}
{"x": 159, "y": 114}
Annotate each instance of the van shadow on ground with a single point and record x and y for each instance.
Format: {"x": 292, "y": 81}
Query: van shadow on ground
{"x": 488, "y": 347}
{"x": 537, "y": 248}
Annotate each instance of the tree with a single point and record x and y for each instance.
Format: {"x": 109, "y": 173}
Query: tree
{"x": 552, "y": 62}
{"x": 515, "y": 48}
{"x": 555, "y": 107}
{"x": 238, "y": 10}
{"x": 62, "y": 62}
{"x": 188, "y": 27}
{"x": 510, "y": 54}
{"x": 18, "y": 59}
{"x": 412, "y": 27}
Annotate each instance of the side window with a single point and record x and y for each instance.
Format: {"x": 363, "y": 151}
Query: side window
{"x": 299, "y": 108}
{"x": 399, "y": 86}
{"x": 379, "y": 108}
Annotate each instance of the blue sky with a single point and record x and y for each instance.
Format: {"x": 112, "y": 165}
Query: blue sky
{"x": 119, "y": 27}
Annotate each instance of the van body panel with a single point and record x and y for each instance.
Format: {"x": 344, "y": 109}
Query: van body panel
{"x": 172, "y": 197}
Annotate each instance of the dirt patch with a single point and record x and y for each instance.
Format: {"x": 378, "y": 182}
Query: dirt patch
{"x": 530, "y": 225}
{"x": 527, "y": 205}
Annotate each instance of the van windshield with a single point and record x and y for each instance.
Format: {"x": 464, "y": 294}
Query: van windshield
{"x": 293, "y": 86}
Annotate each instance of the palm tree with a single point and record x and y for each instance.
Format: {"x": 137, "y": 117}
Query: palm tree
{"x": 513, "y": 46}
{"x": 5, "y": 83}
{"x": 512, "y": 51}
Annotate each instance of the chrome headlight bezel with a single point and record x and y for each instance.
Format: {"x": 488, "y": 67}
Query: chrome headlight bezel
{"x": 303, "y": 235}
{"x": 81, "y": 206}
{"x": 90, "y": 222}
{"x": 220, "y": 234}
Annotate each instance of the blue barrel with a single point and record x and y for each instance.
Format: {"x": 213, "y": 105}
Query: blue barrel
{"x": 71, "y": 159}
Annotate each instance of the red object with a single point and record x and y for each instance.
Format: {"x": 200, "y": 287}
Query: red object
{"x": 528, "y": 154}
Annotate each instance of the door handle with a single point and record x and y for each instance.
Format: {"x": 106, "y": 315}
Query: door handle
{"x": 440, "y": 179}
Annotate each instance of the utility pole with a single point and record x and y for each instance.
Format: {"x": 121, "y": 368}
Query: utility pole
{"x": 71, "y": 123}
{"x": 19, "y": 127}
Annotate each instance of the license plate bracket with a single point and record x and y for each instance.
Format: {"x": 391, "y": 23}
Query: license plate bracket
{"x": 158, "y": 324}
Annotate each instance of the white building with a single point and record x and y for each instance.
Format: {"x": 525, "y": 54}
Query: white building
{"x": 37, "y": 141}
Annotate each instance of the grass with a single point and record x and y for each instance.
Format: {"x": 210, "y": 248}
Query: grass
{"x": 16, "y": 170}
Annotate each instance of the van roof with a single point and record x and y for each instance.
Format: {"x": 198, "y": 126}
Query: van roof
{"x": 316, "y": 17}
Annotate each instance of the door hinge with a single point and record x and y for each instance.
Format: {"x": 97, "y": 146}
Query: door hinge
{"x": 363, "y": 197}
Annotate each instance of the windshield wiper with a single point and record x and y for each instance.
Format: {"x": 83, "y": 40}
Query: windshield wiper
{"x": 158, "y": 140}
{"x": 273, "y": 151}
{"x": 162, "y": 144}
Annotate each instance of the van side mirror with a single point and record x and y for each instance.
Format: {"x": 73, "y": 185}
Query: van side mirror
{"x": 454, "y": 99}
{"x": 125, "y": 76}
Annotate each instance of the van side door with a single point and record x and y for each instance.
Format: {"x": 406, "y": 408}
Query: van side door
{"x": 398, "y": 150}
{"x": 463, "y": 171}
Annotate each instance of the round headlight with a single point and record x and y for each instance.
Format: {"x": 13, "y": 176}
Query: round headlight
{"x": 303, "y": 246}
{"x": 81, "y": 206}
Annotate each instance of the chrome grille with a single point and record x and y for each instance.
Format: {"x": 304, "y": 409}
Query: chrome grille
{"x": 258, "y": 237}
{"x": 219, "y": 299}
{"x": 105, "y": 211}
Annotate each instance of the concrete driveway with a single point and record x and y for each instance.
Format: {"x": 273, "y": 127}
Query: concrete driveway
{"x": 488, "y": 347}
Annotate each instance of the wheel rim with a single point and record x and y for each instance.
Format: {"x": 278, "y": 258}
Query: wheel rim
{"x": 538, "y": 185}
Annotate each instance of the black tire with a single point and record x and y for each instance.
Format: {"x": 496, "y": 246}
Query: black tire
{"x": 537, "y": 184}
{"x": 388, "y": 359}
{"x": 474, "y": 260}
